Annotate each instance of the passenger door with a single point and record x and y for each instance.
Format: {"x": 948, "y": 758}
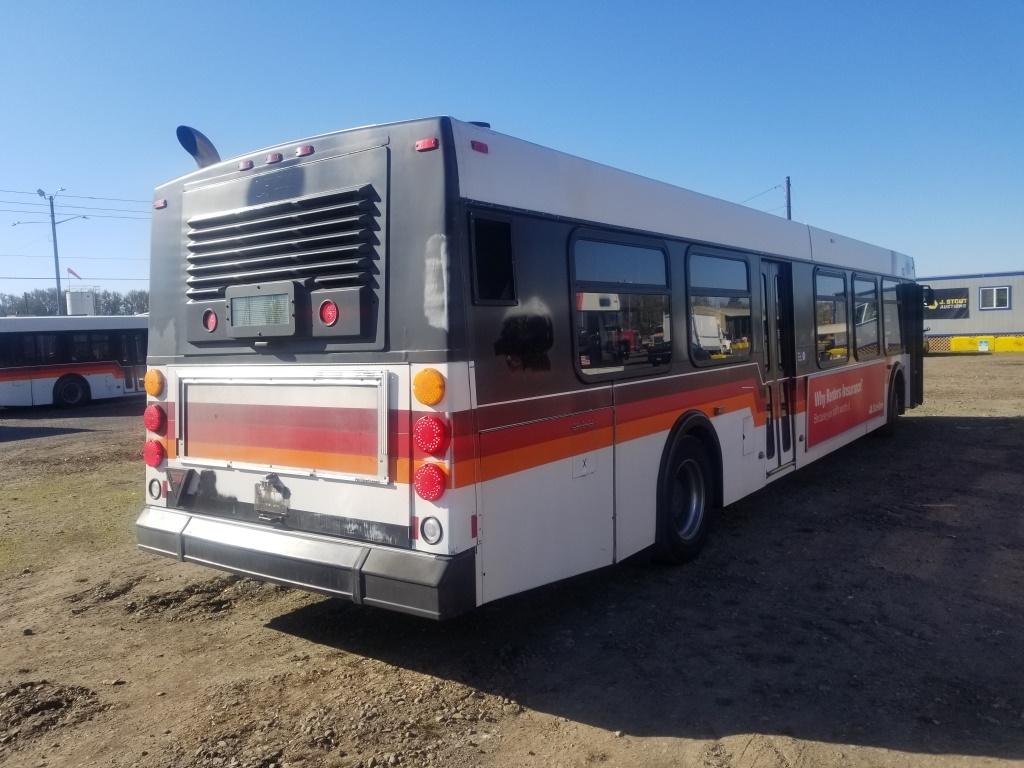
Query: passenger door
{"x": 777, "y": 320}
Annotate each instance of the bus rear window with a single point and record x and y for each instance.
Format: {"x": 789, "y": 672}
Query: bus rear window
{"x": 493, "y": 264}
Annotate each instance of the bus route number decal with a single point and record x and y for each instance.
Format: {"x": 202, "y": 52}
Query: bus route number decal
{"x": 843, "y": 400}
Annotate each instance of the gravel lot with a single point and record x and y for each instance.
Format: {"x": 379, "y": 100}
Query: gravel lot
{"x": 867, "y": 611}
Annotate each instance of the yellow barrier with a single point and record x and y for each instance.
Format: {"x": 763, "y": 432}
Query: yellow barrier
{"x": 983, "y": 344}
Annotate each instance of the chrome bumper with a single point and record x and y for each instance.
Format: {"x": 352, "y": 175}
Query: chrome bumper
{"x": 424, "y": 585}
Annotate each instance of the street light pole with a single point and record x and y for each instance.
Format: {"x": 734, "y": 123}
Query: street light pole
{"x": 56, "y": 258}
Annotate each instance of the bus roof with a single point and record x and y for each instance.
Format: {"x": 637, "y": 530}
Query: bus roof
{"x": 51, "y": 323}
{"x": 520, "y": 174}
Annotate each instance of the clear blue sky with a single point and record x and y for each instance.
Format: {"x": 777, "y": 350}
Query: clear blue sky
{"x": 900, "y": 123}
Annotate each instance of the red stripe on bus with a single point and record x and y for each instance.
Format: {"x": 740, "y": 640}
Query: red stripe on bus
{"x": 29, "y": 372}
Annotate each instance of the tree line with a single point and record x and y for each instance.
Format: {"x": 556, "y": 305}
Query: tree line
{"x": 44, "y": 302}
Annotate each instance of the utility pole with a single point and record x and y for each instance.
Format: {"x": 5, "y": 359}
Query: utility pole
{"x": 56, "y": 258}
{"x": 789, "y": 209}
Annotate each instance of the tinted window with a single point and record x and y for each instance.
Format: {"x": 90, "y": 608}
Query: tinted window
{"x": 830, "y": 317}
{"x": 622, "y": 332}
{"x": 712, "y": 272}
{"x": 865, "y": 317}
{"x": 995, "y": 298}
{"x": 719, "y": 310}
{"x": 46, "y": 347}
{"x": 493, "y": 265}
{"x": 891, "y": 311}
{"x": 598, "y": 262}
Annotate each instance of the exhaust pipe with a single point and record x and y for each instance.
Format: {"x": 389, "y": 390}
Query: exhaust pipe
{"x": 197, "y": 145}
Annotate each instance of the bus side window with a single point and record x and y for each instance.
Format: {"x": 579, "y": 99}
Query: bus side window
{"x": 494, "y": 277}
{"x": 720, "y": 323}
{"x": 832, "y": 325}
{"x": 891, "y": 317}
{"x": 47, "y": 347}
{"x": 865, "y": 317}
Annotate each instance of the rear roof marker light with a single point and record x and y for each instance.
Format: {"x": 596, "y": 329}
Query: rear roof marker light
{"x": 425, "y": 145}
{"x": 159, "y": 204}
{"x": 245, "y": 165}
{"x": 479, "y": 146}
{"x": 274, "y": 157}
{"x": 304, "y": 150}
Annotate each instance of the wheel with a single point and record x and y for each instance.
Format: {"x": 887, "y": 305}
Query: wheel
{"x": 70, "y": 391}
{"x": 686, "y": 501}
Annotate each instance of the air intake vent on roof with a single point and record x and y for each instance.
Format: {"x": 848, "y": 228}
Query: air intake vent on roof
{"x": 327, "y": 238}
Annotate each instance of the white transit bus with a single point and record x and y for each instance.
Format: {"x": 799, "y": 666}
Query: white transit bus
{"x": 68, "y": 361}
{"x": 426, "y": 365}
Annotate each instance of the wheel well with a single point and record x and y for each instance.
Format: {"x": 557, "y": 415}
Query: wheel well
{"x": 901, "y": 390}
{"x": 696, "y": 424}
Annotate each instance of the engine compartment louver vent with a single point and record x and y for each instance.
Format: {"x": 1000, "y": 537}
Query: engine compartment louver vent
{"x": 328, "y": 239}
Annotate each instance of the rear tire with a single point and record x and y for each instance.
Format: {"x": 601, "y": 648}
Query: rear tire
{"x": 686, "y": 501}
{"x": 71, "y": 391}
{"x": 892, "y": 410}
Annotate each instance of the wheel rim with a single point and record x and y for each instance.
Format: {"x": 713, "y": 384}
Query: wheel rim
{"x": 71, "y": 393}
{"x": 688, "y": 499}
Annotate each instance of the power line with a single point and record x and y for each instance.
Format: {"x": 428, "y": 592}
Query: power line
{"x": 97, "y": 279}
{"x": 79, "y": 197}
{"x": 89, "y": 216}
{"x": 83, "y": 207}
{"x": 752, "y": 197}
{"x": 77, "y": 258}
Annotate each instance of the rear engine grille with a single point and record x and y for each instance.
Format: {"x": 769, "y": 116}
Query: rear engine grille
{"x": 328, "y": 239}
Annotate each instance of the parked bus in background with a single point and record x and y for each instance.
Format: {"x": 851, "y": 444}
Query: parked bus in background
{"x": 426, "y": 365}
{"x": 68, "y": 361}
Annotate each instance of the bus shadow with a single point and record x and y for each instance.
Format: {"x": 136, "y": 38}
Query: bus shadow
{"x": 873, "y": 598}
{"x": 132, "y": 405}
{"x": 14, "y": 434}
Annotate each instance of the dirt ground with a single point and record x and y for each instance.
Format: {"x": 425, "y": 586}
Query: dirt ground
{"x": 866, "y": 611}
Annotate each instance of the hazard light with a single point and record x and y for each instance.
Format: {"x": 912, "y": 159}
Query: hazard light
{"x": 428, "y": 386}
{"x": 154, "y": 383}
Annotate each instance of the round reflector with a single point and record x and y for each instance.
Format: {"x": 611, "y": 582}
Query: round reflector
{"x": 430, "y": 434}
{"x": 153, "y": 453}
{"x": 430, "y": 482}
{"x": 428, "y": 386}
{"x": 431, "y": 530}
{"x": 328, "y": 313}
{"x": 154, "y": 383}
{"x": 155, "y": 418}
{"x": 210, "y": 320}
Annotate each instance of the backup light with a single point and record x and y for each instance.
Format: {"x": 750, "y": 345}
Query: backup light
{"x": 154, "y": 383}
{"x": 155, "y": 418}
{"x": 430, "y": 434}
{"x": 428, "y": 386}
{"x": 430, "y": 482}
{"x": 431, "y": 530}
{"x": 153, "y": 453}
{"x": 155, "y": 489}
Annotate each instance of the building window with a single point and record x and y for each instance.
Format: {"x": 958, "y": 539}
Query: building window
{"x": 865, "y": 317}
{"x": 997, "y": 297}
{"x": 891, "y": 316}
{"x": 623, "y": 316}
{"x": 832, "y": 325}
{"x": 719, "y": 309}
{"x": 494, "y": 277}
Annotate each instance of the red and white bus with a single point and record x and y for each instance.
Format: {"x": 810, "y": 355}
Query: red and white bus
{"x": 426, "y": 365}
{"x": 68, "y": 361}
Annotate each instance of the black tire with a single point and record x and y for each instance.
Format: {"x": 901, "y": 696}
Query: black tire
{"x": 686, "y": 501}
{"x": 71, "y": 391}
{"x": 892, "y": 410}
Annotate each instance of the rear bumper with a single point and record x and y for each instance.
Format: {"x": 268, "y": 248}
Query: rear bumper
{"x": 424, "y": 585}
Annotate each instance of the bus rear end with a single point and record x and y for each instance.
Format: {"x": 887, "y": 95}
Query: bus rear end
{"x": 302, "y": 424}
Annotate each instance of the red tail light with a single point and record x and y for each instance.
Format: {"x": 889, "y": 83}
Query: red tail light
{"x": 210, "y": 321}
{"x": 425, "y": 145}
{"x": 153, "y": 453}
{"x": 430, "y": 435}
{"x": 328, "y": 313}
{"x": 430, "y": 482}
{"x": 155, "y": 419}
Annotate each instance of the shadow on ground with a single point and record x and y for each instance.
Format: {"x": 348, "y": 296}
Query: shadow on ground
{"x": 874, "y": 598}
{"x": 13, "y": 434}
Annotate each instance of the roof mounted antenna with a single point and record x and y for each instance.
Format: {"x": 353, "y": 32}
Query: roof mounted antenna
{"x": 197, "y": 145}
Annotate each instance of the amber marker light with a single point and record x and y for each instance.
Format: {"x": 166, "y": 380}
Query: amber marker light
{"x": 428, "y": 386}
{"x": 154, "y": 383}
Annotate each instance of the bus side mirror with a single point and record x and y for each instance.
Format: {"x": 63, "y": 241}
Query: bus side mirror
{"x": 928, "y": 295}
